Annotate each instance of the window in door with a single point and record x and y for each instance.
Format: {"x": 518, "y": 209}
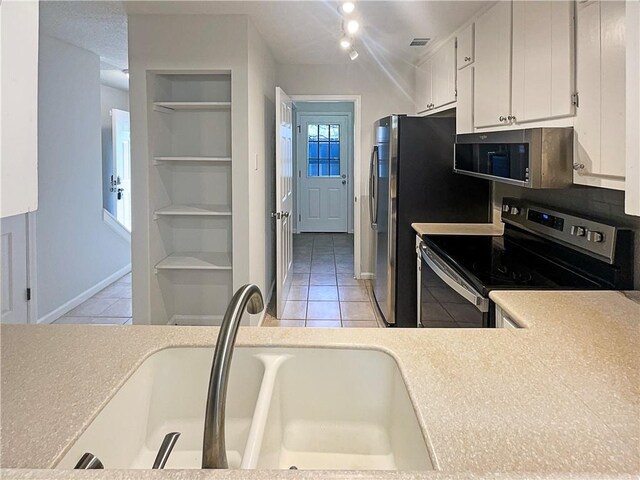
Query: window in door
{"x": 323, "y": 150}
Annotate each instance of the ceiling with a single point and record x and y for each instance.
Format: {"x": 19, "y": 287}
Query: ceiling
{"x": 297, "y": 31}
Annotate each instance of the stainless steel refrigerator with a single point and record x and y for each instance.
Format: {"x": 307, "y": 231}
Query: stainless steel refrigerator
{"x": 411, "y": 179}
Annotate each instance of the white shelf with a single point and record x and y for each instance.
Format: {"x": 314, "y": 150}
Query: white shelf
{"x": 196, "y": 210}
{"x": 196, "y": 320}
{"x": 195, "y": 261}
{"x": 192, "y": 106}
{"x": 177, "y": 159}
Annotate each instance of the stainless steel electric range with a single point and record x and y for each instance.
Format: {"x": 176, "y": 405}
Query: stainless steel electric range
{"x": 541, "y": 249}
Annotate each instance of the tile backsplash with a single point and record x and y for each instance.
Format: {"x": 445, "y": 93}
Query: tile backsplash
{"x": 600, "y": 203}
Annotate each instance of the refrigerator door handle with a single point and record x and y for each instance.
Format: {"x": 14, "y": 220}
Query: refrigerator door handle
{"x": 373, "y": 187}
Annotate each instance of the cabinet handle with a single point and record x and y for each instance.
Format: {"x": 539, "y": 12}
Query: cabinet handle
{"x": 511, "y": 118}
{"x": 578, "y": 166}
{"x": 467, "y": 59}
{"x": 502, "y": 119}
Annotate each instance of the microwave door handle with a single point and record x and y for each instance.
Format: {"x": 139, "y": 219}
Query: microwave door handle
{"x": 474, "y": 298}
{"x": 372, "y": 192}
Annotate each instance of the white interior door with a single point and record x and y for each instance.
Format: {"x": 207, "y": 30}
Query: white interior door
{"x": 323, "y": 165}
{"x": 121, "y": 183}
{"x": 13, "y": 269}
{"x": 284, "y": 197}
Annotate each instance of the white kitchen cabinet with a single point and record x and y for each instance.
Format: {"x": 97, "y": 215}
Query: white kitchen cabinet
{"x": 444, "y": 74}
{"x": 19, "y": 113}
{"x": 465, "y": 47}
{"x": 542, "y": 72}
{"x": 632, "y": 180}
{"x": 600, "y": 119}
{"x": 492, "y": 83}
{"x": 424, "y": 86}
{"x": 464, "y": 105}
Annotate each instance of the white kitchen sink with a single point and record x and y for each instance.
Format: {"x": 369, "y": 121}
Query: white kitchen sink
{"x": 310, "y": 408}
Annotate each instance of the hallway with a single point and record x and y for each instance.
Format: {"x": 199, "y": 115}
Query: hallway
{"x": 323, "y": 291}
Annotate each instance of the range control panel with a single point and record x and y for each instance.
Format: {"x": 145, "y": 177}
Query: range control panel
{"x": 592, "y": 236}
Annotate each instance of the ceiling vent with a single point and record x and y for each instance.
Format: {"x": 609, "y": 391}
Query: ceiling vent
{"x": 419, "y": 42}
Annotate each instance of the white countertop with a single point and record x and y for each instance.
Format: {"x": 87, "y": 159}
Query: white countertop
{"x": 560, "y": 398}
{"x": 492, "y": 229}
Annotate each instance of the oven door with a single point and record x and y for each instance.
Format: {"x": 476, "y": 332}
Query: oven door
{"x": 446, "y": 299}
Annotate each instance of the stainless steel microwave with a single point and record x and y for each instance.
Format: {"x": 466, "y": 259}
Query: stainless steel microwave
{"x": 532, "y": 157}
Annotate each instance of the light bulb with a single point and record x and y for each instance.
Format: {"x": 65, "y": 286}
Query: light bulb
{"x": 345, "y": 43}
{"x": 348, "y": 7}
{"x": 353, "y": 54}
{"x": 352, "y": 26}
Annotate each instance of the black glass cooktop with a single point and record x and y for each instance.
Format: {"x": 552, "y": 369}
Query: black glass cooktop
{"x": 517, "y": 260}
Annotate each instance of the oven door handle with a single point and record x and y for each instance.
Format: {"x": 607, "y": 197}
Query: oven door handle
{"x": 469, "y": 295}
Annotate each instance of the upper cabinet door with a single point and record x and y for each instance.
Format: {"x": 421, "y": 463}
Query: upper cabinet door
{"x": 465, "y": 47}
{"x": 444, "y": 74}
{"x": 543, "y": 78}
{"x": 492, "y": 89}
{"x": 599, "y": 126}
{"x": 424, "y": 86}
{"x": 19, "y": 80}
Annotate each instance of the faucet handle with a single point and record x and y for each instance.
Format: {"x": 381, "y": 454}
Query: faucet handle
{"x": 89, "y": 461}
{"x": 168, "y": 443}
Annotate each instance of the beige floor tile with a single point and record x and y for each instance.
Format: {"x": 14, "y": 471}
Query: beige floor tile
{"x": 322, "y": 279}
{"x": 323, "y": 292}
{"x": 353, "y": 294}
{"x": 347, "y": 280}
{"x": 125, "y": 280}
{"x": 357, "y": 311}
{"x": 294, "y": 310}
{"x": 324, "y": 323}
{"x": 323, "y": 268}
{"x": 299, "y": 279}
{"x": 298, "y": 292}
{"x": 322, "y": 259}
{"x": 272, "y": 322}
{"x": 344, "y": 259}
{"x": 301, "y": 267}
{"x": 323, "y": 311}
{"x": 359, "y": 324}
{"x": 115, "y": 290}
{"x": 122, "y": 308}
{"x": 92, "y": 307}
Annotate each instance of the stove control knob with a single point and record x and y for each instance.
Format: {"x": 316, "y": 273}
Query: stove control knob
{"x": 595, "y": 237}
{"x": 506, "y": 208}
{"x": 578, "y": 231}
{"x": 515, "y": 210}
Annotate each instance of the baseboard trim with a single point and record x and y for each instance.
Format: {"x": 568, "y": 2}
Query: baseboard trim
{"x": 86, "y": 295}
{"x": 266, "y": 304}
{"x": 115, "y": 225}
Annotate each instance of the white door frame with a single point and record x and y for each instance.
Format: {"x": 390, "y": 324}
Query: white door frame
{"x": 357, "y": 170}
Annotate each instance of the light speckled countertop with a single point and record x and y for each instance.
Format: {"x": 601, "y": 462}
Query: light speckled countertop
{"x": 493, "y": 229}
{"x": 560, "y": 398}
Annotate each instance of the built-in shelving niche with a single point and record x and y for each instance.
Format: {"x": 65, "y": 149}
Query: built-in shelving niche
{"x": 190, "y": 195}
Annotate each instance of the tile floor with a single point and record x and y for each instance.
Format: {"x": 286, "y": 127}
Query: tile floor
{"x": 110, "y": 306}
{"x": 323, "y": 291}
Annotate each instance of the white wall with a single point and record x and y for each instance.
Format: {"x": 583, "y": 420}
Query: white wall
{"x": 262, "y": 84}
{"x": 75, "y": 249}
{"x": 109, "y": 98}
{"x": 383, "y": 91}
{"x": 19, "y": 107}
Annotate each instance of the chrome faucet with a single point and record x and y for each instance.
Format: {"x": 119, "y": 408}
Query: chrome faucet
{"x": 214, "y": 453}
